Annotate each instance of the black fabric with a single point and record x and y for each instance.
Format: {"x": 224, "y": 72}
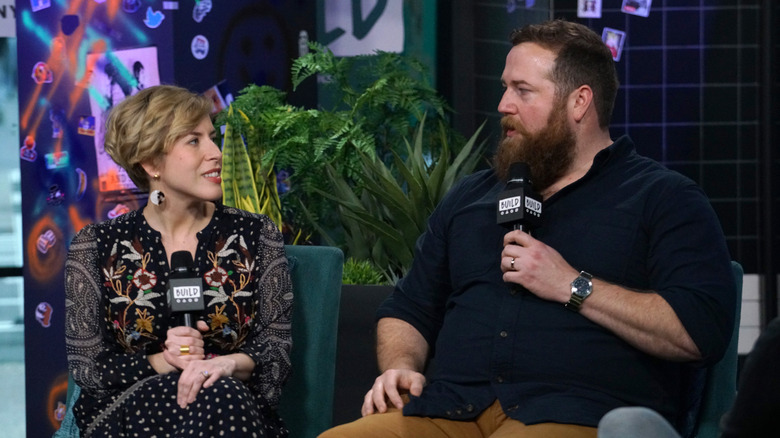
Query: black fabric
{"x": 757, "y": 405}
{"x": 628, "y": 221}
{"x": 117, "y": 314}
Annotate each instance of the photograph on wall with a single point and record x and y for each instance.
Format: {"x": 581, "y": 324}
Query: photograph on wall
{"x": 614, "y": 39}
{"x": 637, "y": 7}
{"x": 589, "y": 8}
{"x": 112, "y": 77}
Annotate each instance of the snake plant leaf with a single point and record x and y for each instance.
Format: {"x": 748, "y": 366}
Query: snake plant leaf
{"x": 238, "y": 182}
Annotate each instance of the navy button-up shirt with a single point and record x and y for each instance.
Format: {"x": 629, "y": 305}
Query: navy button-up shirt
{"x": 628, "y": 221}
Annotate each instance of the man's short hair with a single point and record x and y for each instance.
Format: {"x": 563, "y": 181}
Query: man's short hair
{"x": 582, "y": 58}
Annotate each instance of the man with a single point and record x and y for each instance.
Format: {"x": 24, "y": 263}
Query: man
{"x": 615, "y": 300}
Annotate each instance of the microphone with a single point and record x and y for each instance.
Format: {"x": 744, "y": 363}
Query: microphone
{"x": 519, "y": 206}
{"x": 185, "y": 289}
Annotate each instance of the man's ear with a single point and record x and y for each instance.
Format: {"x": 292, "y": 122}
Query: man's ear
{"x": 580, "y": 101}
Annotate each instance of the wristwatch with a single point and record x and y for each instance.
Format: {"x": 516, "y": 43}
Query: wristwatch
{"x": 581, "y": 287}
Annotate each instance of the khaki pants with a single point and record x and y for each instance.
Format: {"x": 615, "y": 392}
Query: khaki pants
{"x": 491, "y": 423}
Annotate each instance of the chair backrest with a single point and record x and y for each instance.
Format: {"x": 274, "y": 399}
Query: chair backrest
{"x": 720, "y": 386}
{"x": 307, "y": 399}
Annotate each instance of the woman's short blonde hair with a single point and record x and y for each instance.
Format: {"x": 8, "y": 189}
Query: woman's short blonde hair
{"x": 144, "y": 127}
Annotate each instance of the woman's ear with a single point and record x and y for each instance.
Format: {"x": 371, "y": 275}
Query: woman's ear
{"x": 150, "y": 169}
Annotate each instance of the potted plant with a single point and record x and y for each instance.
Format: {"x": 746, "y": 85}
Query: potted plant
{"x": 363, "y": 175}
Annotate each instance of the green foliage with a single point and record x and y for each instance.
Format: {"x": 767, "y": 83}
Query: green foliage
{"x": 361, "y": 272}
{"x": 383, "y": 220}
{"x": 305, "y": 141}
{"x": 354, "y": 178}
{"x": 386, "y": 92}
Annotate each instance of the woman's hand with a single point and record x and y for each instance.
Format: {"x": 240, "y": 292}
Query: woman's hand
{"x": 202, "y": 374}
{"x": 184, "y": 345}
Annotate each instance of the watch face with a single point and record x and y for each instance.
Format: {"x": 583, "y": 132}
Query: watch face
{"x": 581, "y": 286}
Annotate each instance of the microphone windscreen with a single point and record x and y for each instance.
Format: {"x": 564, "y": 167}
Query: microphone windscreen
{"x": 181, "y": 259}
{"x": 519, "y": 171}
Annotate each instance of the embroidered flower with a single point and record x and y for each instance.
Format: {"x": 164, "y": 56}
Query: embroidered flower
{"x": 144, "y": 321}
{"x": 216, "y": 277}
{"x": 218, "y": 319}
{"x": 144, "y": 279}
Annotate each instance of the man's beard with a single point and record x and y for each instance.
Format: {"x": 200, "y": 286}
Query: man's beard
{"x": 549, "y": 153}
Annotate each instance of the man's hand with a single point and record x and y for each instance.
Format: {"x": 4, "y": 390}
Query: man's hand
{"x": 537, "y": 267}
{"x": 388, "y": 387}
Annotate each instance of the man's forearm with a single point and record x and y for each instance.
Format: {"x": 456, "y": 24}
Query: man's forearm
{"x": 643, "y": 319}
{"x": 400, "y": 346}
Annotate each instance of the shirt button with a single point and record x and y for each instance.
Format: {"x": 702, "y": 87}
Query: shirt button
{"x": 458, "y": 412}
{"x": 500, "y": 379}
{"x": 504, "y": 333}
{"x": 449, "y": 413}
{"x": 470, "y": 408}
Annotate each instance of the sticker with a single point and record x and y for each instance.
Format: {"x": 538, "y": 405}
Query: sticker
{"x": 28, "y": 152}
{"x": 637, "y": 7}
{"x": 303, "y": 43}
{"x": 82, "y": 187}
{"x": 43, "y": 313}
{"x": 283, "y": 181}
{"x": 219, "y": 98}
{"x": 57, "y": 117}
{"x": 37, "y": 5}
{"x": 614, "y": 39}
{"x": 131, "y": 6}
{"x": 589, "y": 8}
{"x": 171, "y": 6}
{"x": 200, "y": 47}
{"x": 153, "y": 18}
{"x": 59, "y": 412}
{"x": 46, "y": 241}
{"x": 57, "y": 160}
{"x": 511, "y": 6}
{"x": 200, "y": 10}
{"x": 41, "y": 73}
{"x": 55, "y": 196}
{"x": 87, "y": 125}
{"x": 117, "y": 211}
{"x": 100, "y": 1}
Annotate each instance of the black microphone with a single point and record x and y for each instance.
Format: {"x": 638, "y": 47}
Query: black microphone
{"x": 519, "y": 206}
{"x": 185, "y": 289}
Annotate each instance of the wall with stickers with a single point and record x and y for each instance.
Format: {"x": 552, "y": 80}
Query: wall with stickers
{"x": 78, "y": 58}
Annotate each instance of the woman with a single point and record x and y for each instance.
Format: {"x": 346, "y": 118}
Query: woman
{"x": 141, "y": 372}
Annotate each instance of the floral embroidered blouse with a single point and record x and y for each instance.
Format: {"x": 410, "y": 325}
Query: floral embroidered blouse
{"x": 117, "y": 312}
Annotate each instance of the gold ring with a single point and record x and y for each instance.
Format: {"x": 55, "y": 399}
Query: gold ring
{"x": 512, "y": 263}
{"x": 205, "y": 373}
{"x": 184, "y": 349}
